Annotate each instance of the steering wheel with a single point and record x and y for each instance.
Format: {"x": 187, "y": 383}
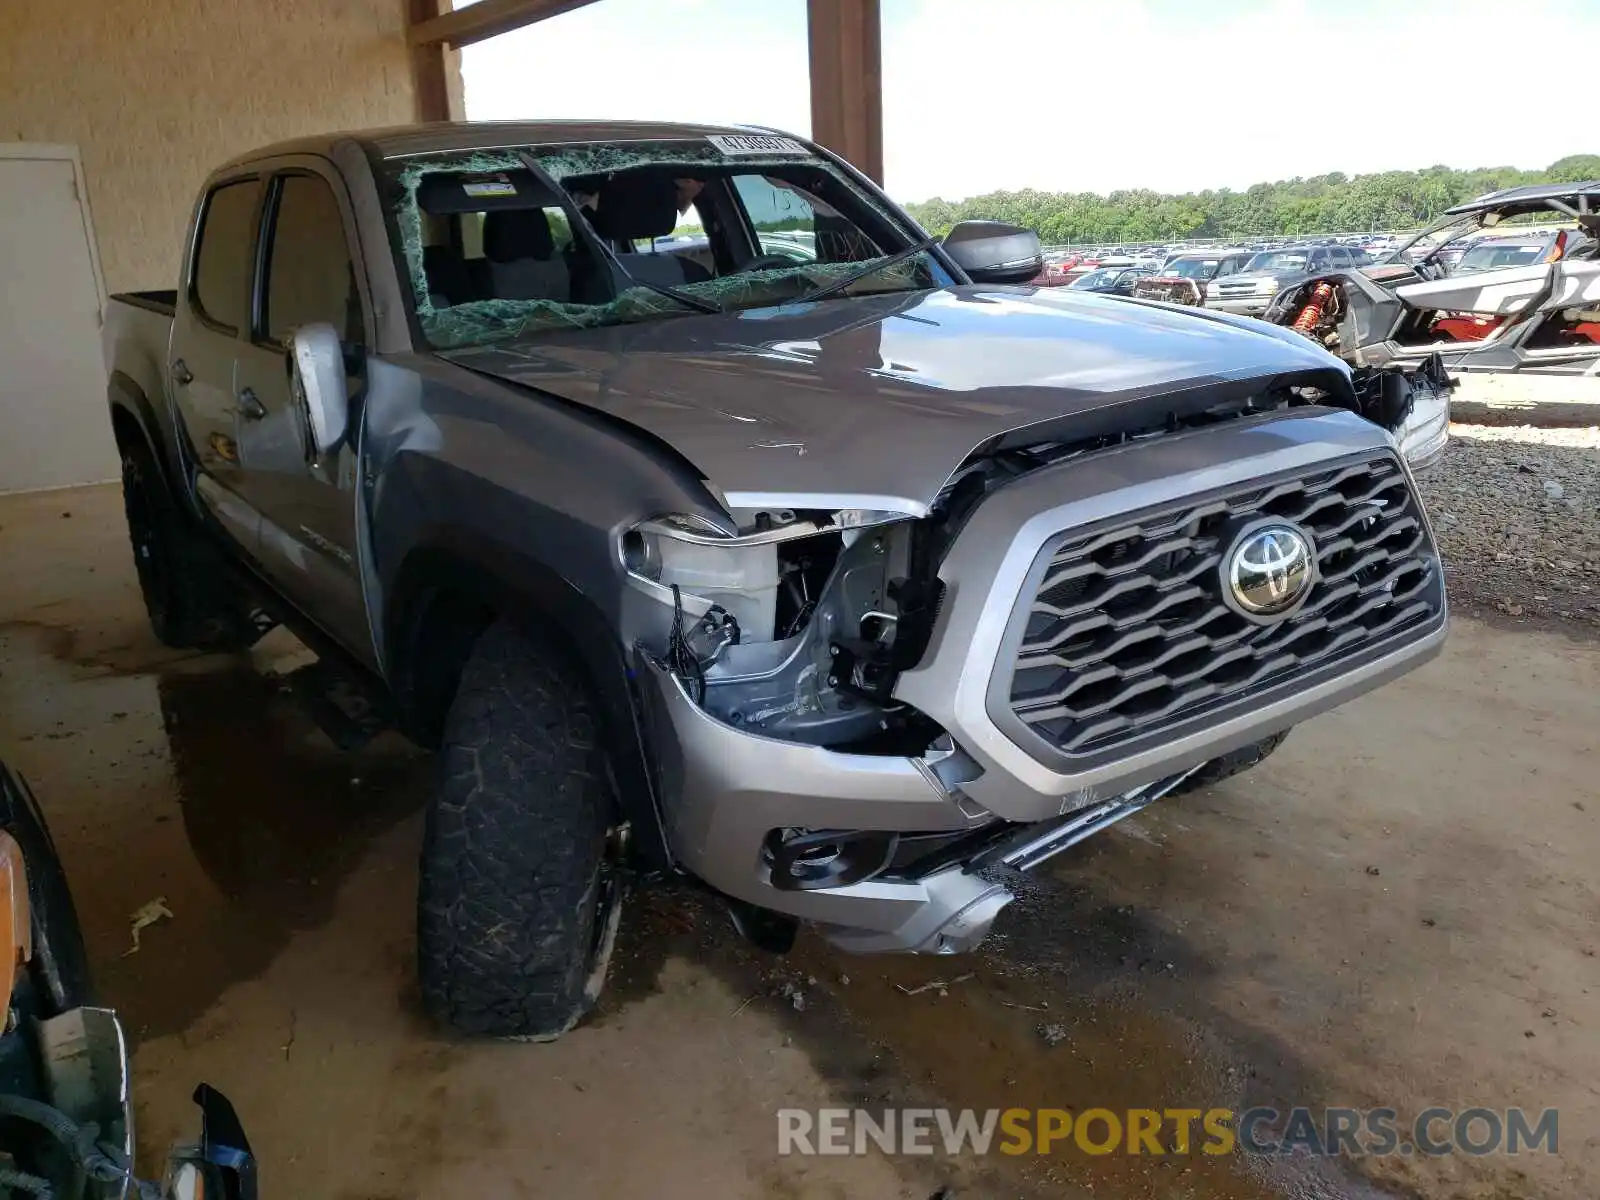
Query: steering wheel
{"x": 769, "y": 262}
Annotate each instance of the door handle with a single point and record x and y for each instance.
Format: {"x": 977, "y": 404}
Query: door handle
{"x": 250, "y": 405}
{"x": 181, "y": 375}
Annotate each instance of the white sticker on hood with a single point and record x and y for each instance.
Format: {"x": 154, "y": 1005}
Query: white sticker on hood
{"x": 736, "y": 144}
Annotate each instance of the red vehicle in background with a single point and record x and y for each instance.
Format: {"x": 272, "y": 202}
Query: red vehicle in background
{"x": 1064, "y": 271}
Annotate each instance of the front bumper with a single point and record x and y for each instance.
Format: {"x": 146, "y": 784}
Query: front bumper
{"x": 726, "y": 790}
{"x": 1252, "y": 305}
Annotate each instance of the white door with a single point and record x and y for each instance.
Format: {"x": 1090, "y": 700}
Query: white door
{"x": 53, "y": 424}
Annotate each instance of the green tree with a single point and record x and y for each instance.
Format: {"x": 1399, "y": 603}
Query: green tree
{"x": 1331, "y": 203}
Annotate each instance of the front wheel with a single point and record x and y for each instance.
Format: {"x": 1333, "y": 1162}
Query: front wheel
{"x": 520, "y": 894}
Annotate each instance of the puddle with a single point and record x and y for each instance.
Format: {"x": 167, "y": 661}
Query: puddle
{"x": 274, "y": 818}
{"x": 200, "y": 783}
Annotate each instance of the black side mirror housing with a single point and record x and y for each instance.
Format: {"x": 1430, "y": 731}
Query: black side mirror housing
{"x": 995, "y": 252}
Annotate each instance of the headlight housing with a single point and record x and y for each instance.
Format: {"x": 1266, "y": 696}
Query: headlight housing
{"x": 739, "y": 573}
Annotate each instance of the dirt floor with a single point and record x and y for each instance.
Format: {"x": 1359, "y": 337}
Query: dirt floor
{"x": 1400, "y": 908}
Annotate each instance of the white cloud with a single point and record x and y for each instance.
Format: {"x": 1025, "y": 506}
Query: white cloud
{"x": 1091, "y": 95}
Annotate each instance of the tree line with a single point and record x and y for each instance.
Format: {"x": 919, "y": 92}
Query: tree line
{"x": 1332, "y": 203}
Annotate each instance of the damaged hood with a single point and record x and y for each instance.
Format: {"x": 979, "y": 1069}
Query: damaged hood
{"x": 875, "y": 401}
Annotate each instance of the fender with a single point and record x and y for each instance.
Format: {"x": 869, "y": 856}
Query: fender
{"x": 124, "y": 395}
{"x": 535, "y": 595}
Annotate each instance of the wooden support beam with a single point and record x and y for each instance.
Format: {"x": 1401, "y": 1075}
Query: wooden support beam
{"x": 485, "y": 19}
{"x": 432, "y": 65}
{"x": 847, "y": 81}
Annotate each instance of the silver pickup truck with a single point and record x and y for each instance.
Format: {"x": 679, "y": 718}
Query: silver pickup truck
{"x": 849, "y": 578}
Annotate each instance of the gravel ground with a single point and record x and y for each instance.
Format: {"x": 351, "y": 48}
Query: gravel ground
{"x": 1517, "y": 511}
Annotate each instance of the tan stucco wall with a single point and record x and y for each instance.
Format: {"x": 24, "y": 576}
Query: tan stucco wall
{"x": 157, "y": 92}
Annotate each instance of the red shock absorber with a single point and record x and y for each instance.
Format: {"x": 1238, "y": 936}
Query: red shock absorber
{"x": 1306, "y": 322}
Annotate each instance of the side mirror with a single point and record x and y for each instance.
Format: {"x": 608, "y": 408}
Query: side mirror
{"x": 995, "y": 252}
{"x": 317, "y": 374}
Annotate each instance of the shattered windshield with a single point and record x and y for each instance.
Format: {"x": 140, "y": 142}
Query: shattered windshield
{"x": 520, "y": 241}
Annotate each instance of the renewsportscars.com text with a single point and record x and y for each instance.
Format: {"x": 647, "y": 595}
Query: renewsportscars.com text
{"x": 1325, "y": 1132}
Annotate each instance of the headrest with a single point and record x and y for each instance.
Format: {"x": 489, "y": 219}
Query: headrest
{"x": 513, "y": 233}
{"x": 639, "y": 204}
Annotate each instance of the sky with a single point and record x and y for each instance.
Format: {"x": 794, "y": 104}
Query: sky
{"x": 1091, "y": 95}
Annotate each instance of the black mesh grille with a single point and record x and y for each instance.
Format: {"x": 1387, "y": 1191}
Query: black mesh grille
{"x": 1128, "y": 633}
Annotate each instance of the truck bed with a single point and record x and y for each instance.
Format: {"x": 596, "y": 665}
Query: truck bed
{"x": 138, "y": 326}
{"x": 163, "y": 301}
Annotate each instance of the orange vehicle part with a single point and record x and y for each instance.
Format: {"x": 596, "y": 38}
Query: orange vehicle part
{"x": 1321, "y": 297}
{"x": 1587, "y": 329}
{"x": 1465, "y": 328}
{"x": 14, "y": 912}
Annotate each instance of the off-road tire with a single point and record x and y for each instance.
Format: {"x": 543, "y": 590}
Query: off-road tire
{"x": 187, "y": 592}
{"x": 1229, "y": 765}
{"x": 518, "y": 903}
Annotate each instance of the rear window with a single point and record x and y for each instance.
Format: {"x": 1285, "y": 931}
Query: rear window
{"x": 222, "y": 261}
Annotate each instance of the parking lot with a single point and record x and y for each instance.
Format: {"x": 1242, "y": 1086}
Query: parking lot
{"x": 1399, "y": 909}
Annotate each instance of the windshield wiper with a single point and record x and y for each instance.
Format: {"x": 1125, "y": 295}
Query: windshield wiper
{"x": 871, "y": 268}
{"x": 581, "y": 228}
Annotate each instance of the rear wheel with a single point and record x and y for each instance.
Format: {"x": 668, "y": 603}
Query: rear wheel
{"x": 519, "y": 894}
{"x": 182, "y": 577}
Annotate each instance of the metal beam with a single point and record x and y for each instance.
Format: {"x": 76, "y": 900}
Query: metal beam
{"x": 485, "y": 19}
{"x": 847, "y": 81}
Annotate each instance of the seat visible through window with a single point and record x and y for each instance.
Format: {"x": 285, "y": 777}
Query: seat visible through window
{"x": 643, "y": 207}
{"x": 448, "y": 281}
{"x": 522, "y": 257}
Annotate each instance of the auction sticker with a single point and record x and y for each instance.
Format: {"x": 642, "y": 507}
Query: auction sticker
{"x": 754, "y": 143}
{"x": 498, "y": 185}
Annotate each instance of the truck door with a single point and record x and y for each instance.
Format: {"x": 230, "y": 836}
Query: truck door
{"x": 306, "y": 501}
{"x": 211, "y": 318}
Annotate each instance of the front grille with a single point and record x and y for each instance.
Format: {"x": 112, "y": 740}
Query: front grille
{"x": 1128, "y": 634}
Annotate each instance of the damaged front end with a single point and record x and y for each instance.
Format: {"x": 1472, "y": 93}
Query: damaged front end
{"x": 1171, "y": 289}
{"x": 800, "y": 787}
{"x": 797, "y": 784}
{"x": 1344, "y": 313}
{"x": 806, "y": 670}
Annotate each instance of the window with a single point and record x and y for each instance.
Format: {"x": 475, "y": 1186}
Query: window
{"x": 686, "y": 221}
{"x": 309, "y": 274}
{"x": 221, "y": 291}
{"x": 794, "y": 224}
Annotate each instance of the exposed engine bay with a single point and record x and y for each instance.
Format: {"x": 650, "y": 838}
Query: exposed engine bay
{"x": 798, "y": 626}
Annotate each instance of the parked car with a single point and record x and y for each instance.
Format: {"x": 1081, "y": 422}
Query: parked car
{"x": 848, "y": 588}
{"x": 1205, "y": 265}
{"x": 1250, "y": 290}
{"x": 1115, "y": 281}
{"x": 1183, "y": 277}
{"x": 1539, "y": 319}
{"x": 1493, "y": 253}
{"x": 1059, "y": 272}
